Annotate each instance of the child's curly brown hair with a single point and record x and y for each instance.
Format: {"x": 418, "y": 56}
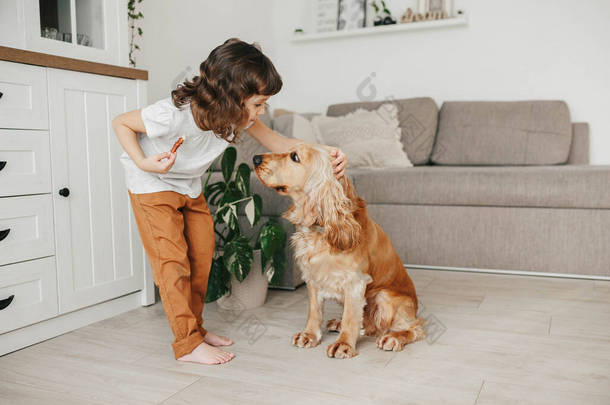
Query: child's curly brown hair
{"x": 232, "y": 73}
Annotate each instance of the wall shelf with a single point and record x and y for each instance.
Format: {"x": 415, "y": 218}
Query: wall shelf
{"x": 448, "y": 22}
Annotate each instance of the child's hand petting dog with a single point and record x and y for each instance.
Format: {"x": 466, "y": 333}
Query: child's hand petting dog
{"x": 339, "y": 162}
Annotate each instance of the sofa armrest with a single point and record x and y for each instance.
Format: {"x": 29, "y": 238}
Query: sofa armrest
{"x": 579, "y": 151}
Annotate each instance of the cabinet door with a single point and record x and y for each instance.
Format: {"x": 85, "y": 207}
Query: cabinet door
{"x": 23, "y": 96}
{"x": 98, "y": 251}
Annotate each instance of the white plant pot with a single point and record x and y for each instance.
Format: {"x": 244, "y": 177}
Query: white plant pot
{"x": 250, "y": 293}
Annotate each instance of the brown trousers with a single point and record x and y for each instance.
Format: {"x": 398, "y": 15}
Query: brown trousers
{"x": 177, "y": 232}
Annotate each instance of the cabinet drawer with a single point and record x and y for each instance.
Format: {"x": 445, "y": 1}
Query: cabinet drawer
{"x": 25, "y": 166}
{"x": 26, "y": 228}
{"x": 33, "y": 288}
{"x": 23, "y": 103}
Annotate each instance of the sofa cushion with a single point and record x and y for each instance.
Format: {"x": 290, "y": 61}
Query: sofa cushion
{"x": 295, "y": 126}
{"x": 417, "y": 116}
{"x": 567, "y": 186}
{"x": 579, "y": 150}
{"x": 370, "y": 139}
{"x": 503, "y": 133}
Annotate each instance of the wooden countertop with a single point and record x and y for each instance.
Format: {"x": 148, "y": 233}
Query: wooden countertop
{"x": 59, "y": 62}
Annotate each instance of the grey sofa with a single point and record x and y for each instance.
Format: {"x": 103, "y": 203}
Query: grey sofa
{"x": 495, "y": 186}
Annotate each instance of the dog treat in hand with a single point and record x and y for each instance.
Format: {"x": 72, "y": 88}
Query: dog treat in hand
{"x": 177, "y": 144}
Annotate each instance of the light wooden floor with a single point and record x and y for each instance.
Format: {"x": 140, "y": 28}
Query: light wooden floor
{"x": 497, "y": 339}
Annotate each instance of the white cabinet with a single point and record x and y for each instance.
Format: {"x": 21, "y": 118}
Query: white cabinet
{"x": 96, "y": 235}
{"x": 70, "y": 251}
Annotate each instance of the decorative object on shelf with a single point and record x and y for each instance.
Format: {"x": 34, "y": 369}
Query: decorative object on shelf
{"x": 442, "y": 7}
{"x": 234, "y": 254}
{"x": 49, "y": 32}
{"x": 429, "y": 10}
{"x": 83, "y": 39}
{"x": 326, "y": 17}
{"x": 352, "y": 14}
{"x": 67, "y": 37}
{"x": 133, "y": 15}
{"x": 383, "y": 16}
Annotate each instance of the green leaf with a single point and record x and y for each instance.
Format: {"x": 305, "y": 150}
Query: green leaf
{"x": 218, "y": 283}
{"x": 279, "y": 263}
{"x": 242, "y": 179}
{"x": 273, "y": 242}
{"x": 229, "y": 196}
{"x": 140, "y": 31}
{"x": 272, "y": 237}
{"x": 226, "y": 214}
{"x": 258, "y": 208}
{"x": 228, "y": 162}
{"x": 238, "y": 257}
{"x": 232, "y": 234}
{"x": 233, "y": 223}
{"x": 213, "y": 188}
{"x": 274, "y": 266}
{"x": 250, "y": 211}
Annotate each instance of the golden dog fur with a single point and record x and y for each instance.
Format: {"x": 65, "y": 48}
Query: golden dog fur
{"x": 343, "y": 254}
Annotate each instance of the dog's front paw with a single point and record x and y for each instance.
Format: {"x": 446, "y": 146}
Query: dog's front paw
{"x": 334, "y": 325}
{"x": 305, "y": 339}
{"x": 341, "y": 350}
{"x": 389, "y": 342}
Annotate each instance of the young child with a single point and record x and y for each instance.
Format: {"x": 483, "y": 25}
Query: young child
{"x": 165, "y": 188}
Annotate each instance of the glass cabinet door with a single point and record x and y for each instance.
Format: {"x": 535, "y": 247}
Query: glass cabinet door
{"x": 90, "y": 23}
{"x": 80, "y": 22}
{"x": 56, "y": 20}
{"x": 93, "y": 30}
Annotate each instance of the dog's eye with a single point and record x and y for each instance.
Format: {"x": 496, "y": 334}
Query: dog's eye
{"x": 294, "y": 157}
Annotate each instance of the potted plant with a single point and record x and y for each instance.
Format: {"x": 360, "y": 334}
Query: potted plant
{"x": 242, "y": 267}
{"x": 383, "y": 16}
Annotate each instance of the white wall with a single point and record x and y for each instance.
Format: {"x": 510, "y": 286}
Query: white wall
{"x": 511, "y": 50}
{"x": 179, "y": 35}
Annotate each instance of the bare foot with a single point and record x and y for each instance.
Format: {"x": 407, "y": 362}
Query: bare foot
{"x": 215, "y": 340}
{"x": 206, "y": 354}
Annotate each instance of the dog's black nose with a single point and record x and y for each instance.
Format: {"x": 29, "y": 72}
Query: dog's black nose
{"x": 257, "y": 160}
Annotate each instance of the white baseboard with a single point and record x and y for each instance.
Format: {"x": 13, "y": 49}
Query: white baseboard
{"x": 38, "y": 332}
{"x": 514, "y": 272}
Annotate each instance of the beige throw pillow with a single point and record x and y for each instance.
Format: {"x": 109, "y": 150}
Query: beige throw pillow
{"x": 369, "y": 139}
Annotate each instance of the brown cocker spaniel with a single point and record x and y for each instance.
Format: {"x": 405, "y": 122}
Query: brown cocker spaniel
{"x": 343, "y": 254}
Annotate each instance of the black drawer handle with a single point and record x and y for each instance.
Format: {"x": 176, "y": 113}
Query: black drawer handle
{"x": 2, "y": 164}
{"x": 4, "y": 234}
{"x": 1, "y": 94}
{"x": 6, "y": 302}
{"x": 64, "y": 192}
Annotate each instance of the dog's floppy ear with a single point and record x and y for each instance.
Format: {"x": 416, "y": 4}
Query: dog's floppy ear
{"x": 337, "y": 205}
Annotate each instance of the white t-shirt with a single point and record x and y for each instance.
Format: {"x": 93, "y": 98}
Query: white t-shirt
{"x": 165, "y": 123}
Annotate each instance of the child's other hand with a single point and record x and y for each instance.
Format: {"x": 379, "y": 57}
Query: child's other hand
{"x": 160, "y": 163}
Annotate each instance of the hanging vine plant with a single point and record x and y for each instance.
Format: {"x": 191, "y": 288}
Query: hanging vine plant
{"x": 133, "y": 15}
